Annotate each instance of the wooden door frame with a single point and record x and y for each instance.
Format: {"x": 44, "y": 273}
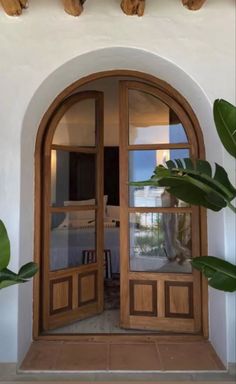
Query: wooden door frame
{"x": 174, "y": 94}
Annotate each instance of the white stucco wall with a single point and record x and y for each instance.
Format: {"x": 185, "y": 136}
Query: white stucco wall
{"x": 44, "y": 51}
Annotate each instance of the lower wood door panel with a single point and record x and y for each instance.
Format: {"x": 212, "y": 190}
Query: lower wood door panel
{"x": 73, "y": 295}
{"x": 162, "y": 302}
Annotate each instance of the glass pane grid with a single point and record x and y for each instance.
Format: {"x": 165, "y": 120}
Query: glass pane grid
{"x": 142, "y": 164}
{"x": 160, "y": 242}
{"x": 153, "y": 121}
{"x": 72, "y": 239}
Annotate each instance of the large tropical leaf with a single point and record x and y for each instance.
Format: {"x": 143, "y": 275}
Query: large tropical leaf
{"x": 221, "y": 273}
{"x": 225, "y": 121}
{"x": 4, "y": 247}
{"x": 193, "y": 183}
{"x": 7, "y": 277}
{"x": 28, "y": 270}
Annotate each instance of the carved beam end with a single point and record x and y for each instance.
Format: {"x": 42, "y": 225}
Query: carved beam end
{"x": 193, "y": 5}
{"x": 73, "y": 7}
{"x": 133, "y": 7}
{"x": 14, "y": 7}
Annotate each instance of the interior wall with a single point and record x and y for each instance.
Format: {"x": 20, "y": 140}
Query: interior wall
{"x": 192, "y": 51}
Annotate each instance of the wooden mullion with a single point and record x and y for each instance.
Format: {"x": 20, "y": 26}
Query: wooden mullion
{"x": 70, "y": 148}
{"x": 73, "y": 208}
{"x": 124, "y": 227}
{"x": 99, "y": 134}
{"x": 159, "y": 146}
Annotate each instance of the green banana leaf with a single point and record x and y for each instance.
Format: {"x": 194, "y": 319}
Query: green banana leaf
{"x": 4, "y": 247}
{"x": 225, "y": 121}
{"x": 220, "y": 273}
{"x": 7, "y": 277}
{"x": 194, "y": 183}
{"x": 28, "y": 270}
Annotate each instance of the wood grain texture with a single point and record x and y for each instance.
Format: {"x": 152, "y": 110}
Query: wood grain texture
{"x": 87, "y": 288}
{"x": 193, "y": 5}
{"x": 133, "y": 7}
{"x": 73, "y": 7}
{"x": 60, "y": 295}
{"x": 179, "y": 299}
{"x": 143, "y": 298}
{"x": 14, "y": 7}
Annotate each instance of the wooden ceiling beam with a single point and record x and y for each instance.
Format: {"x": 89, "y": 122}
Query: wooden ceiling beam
{"x": 133, "y": 7}
{"x": 75, "y": 7}
{"x": 193, "y": 5}
{"x": 14, "y": 7}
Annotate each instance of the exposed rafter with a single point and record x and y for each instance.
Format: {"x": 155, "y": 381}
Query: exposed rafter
{"x": 75, "y": 7}
{"x": 194, "y": 5}
{"x": 14, "y": 7}
{"x": 133, "y": 7}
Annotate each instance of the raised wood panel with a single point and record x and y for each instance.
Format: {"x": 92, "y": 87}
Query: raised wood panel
{"x": 60, "y": 295}
{"x": 143, "y": 298}
{"x": 179, "y": 299}
{"x": 87, "y": 288}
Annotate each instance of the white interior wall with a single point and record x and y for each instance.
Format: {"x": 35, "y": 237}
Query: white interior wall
{"x": 46, "y": 50}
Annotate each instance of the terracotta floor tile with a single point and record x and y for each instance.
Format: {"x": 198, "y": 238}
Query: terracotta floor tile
{"x": 41, "y": 356}
{"x": 134, "y": 357}
{"x": 81, "y": 356}
{"x": 188, "y": 356}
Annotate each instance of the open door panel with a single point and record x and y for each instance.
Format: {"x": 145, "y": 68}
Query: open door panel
{"x": 73, "y": 266}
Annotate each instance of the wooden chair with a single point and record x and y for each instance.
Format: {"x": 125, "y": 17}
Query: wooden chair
{"x": 90, "y": 257}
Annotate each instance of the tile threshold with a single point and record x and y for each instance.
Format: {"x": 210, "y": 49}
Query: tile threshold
{"x": 69, "y": 372}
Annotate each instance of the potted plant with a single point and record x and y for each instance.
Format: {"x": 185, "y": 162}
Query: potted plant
{"x": 7, "y": 277}
{"x": 193, "y": 181}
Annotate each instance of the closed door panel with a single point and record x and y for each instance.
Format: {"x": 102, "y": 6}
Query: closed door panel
{"x": 159, "y": 233}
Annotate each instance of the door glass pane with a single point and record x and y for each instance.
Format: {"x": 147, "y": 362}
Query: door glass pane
{"x": 152, "y": 122}
{"x": 160, "y": 242}
{"x": 141, "y": 167}
{"x": 77, "y": 126}
{"x": 72, "y": 236}
{"x": 72, "y": 177}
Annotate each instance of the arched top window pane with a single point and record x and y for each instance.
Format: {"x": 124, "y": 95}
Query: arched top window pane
{"x": 77, "y": 126}
{"x": 153, "y": 122}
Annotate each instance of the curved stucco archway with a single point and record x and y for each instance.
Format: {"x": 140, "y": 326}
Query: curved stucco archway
{"x": 117, "y": 58}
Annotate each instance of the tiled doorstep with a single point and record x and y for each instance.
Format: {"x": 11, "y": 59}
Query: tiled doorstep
{"x": 120, "y": 357}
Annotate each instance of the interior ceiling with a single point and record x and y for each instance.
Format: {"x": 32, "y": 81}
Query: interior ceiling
{"x": 75, "y": 7}
{"x": 144, "y": 109}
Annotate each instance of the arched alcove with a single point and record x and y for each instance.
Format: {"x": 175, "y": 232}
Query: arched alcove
{"x": 49, "y": 93}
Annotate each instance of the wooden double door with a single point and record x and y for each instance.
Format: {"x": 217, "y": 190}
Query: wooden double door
{"x": 158, "y": 235}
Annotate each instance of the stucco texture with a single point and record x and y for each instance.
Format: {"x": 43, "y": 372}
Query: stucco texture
{"x": 44, "y": 51}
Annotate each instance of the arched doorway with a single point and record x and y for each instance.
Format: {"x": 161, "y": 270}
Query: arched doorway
{"x": 174, "y": 295}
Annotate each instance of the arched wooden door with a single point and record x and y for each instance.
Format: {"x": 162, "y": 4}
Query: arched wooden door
{"x": 159, "y": 234}
{"x": 72, "y": 195}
